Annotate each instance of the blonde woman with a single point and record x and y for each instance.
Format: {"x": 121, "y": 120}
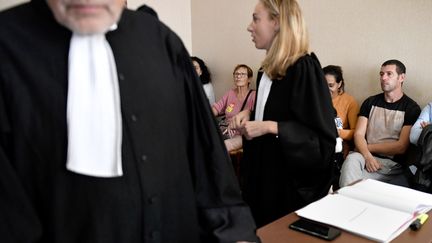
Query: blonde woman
{"x": 290, "y": 136}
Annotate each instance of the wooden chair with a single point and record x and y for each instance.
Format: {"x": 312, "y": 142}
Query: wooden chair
{"x": 236, "y": 157}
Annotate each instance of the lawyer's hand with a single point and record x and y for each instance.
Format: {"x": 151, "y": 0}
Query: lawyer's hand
{"x": 239, "y": 120}
{"x": 252, "y": 129}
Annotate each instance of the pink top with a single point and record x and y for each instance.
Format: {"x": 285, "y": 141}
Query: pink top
{"x": 230, "y": 105}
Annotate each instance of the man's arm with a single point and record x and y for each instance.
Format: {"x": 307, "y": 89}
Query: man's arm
{"x": 391, "y": 148}
{"x": 422, "y": 121}
{"x": 372, "y": 164}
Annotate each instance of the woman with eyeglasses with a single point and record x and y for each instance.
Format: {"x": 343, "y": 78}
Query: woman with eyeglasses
{"x": 290, "y": 137}
{"x": 239, "y": 98}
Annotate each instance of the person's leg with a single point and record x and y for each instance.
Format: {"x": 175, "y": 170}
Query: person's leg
{"x": 352, "y": 169}
{"x": 389, "y": 170}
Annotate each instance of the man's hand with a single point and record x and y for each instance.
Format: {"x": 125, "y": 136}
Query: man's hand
{"x": 372, "y": 165}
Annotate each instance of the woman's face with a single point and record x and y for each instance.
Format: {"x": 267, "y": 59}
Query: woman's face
{"x": 197, "y": 68}
{"x": 263, "y": 29}
{"x": 333, "y": 85}
{"x": 241, "y": 78}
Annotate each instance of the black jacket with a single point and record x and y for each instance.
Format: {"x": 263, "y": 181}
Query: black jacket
{"x": 423, "y": 175}
{"x": 286, "y": 172}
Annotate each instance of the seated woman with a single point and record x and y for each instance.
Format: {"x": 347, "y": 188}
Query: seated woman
{"x": 235, "y": 100}
{"x": 205, "y": 77}
{"x": 346, "y": 106}
{"x": 423, "y": 120}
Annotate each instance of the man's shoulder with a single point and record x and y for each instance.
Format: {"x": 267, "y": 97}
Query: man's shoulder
{"x": 374, "y": 99}
{"x": 148, "y": 29}
{"x": 12, "y": 16}
{"x": 12, "y": 10}
{"x": 410, "y": 102}
{"x": 26, "y": 20}
{"x": 136, "y": 20}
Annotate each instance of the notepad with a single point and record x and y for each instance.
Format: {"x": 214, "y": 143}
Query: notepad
{"x": 370, "y": 208}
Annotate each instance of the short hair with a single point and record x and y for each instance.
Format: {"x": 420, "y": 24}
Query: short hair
{"x": 291, "y": 41}
{"x": 249, "y": 70}
{"x": 205, "y": 75}
{"x": 146, "y": 9}
{"x": 400, "y": 67}
{"x": 335, "y": 71}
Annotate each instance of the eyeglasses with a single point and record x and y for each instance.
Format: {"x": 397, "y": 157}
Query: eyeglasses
{"x": 240, "y": 74}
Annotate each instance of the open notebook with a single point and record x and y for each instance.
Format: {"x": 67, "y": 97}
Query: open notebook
{"x": 370, "y": 208}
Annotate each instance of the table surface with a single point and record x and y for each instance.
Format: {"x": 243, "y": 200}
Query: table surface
{"x": 278, "y": 232}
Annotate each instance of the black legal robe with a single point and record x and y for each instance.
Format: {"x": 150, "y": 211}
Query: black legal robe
{"x": 178, "y": 183}
{"x": 286, "y": 172}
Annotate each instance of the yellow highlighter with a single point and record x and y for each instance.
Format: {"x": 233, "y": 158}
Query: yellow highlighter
{"x": 419, "y": 221}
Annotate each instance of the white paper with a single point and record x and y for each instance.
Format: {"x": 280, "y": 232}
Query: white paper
{"x": 373, "y": 209}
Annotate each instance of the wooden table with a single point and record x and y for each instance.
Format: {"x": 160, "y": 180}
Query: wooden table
{"x": 278, "y": 232}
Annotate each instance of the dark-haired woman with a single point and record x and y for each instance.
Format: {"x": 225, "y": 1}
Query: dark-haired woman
{"x": 346, "y": 106}
{"x": 205, "y": 77}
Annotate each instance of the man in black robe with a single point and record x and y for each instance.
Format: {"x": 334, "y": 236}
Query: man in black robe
{"x": 173, "y": 181}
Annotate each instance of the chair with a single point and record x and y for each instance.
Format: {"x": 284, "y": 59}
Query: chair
{"x": 236, "y": 157}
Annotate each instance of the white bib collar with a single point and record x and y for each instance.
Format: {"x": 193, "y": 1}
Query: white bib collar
{"x": 93, "y": 108}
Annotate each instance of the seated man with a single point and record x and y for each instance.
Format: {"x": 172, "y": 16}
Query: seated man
{"x": 424, "y": 119}
{"x": 382, "y": 133}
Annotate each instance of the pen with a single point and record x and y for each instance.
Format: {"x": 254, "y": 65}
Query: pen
{"x": 419, "y": 221}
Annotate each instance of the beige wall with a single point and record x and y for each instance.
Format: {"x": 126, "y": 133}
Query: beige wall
{"x": 174, "y": 13}
{"x": 356, "y": 34}
{"x": 9, "y": 3}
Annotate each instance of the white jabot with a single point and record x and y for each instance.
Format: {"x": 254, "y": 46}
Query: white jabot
{"x": 93, "y": 108}
{"x": 263, "y": 93}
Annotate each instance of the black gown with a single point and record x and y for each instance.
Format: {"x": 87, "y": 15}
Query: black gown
{"x": 178, "y": 183}
{"x": 286, "y": 172}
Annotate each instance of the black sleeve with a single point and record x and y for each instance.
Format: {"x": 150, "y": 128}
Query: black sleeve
{"x": 223, "y": 215}
{"x": 308, "y": 139}
{"x": 366, "y": 107}
{"x": 18, "y": 220}
{"x": 411, "y": 114}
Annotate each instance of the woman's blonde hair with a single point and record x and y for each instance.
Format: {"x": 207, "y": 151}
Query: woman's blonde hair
{"x": 292, "y": 40}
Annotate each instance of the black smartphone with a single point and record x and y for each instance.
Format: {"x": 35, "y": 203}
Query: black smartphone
{"x": 315, "y": 229}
